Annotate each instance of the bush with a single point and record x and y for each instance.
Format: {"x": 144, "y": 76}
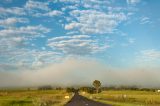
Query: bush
{"x": 45, "y": 88}
{"x": 59, "y": 88}
{"x": 69, "y": 90}
{"x": 90, "y": 90}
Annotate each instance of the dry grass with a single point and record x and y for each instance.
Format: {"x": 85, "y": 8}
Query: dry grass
{"x": 127, "y": 98}
{"x": 33, "y": 98}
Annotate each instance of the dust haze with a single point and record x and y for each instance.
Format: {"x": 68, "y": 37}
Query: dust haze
{"x": 72, "y": 72}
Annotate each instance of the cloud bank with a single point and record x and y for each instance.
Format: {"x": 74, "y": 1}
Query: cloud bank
{"x": 78, "y": 71}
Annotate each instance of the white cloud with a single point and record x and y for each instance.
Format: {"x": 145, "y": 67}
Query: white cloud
{"x": 133, "y": 1}
{"x": 92, "y": 21}
{"x": 30, "y": 4}
{"x": 28, "y": 31}
{"x": 39, "y": 9}
{"x": 14, "y": 41}
{"x": 18, "y": 57}
{"x": 88, "y": 4}
{"x": 72, "y": 25}
{"x": 41, "y": 57}
{"x": 12, "y": 11}
{"x": 76, "y": 45}
{"x": 96, "y": 4}
{"x": 151, "y": 54}
{"x": 54, "y": 13}
{"x": 70, "y": 7}
{"x": 11, "y": 21}
{"x": 145, "y": 20}
{"x": 10, "y": 42}
{"x": 71, "y": 1}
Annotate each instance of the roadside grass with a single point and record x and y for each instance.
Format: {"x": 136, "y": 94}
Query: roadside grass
{"x": 33, "y": 98}
{"x": 126, "y": 97}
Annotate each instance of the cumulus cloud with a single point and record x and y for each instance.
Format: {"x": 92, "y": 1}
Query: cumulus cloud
{"x": 22, "y": 59}
{"x": 70, "y": 7}
{"x": 71, "y": 1}
{"x": 96, "y": 4}
{"x": 31, "y": 5}
{"x": 133, "y": 1}
{"x": 42, "y": 58}
{"x": 30, "y": 31}
{"x": 39, "y": 9}
{"x": 11, "y": 21}
{"x": 92, "y": 21}
{"x": 89, "y": 4}
{"x": 11, "y": 42}
{"x": 14, "y": 41}
{"x": 52, "y": 13}
{"x": 76, "y": 45}
{"x": 12, "y": 11}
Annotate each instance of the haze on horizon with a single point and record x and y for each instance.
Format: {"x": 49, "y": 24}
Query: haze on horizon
{"x": 73, "y": 42}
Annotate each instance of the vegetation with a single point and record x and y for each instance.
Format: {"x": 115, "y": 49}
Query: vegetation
{"x": 48, "y": 96}
{"x": 127, "y": 97}
{"x": 70, "y": 90}
{"x": 90, "y": 90}
{"x": 97, "y": 85}
{"x": 127, "y": 88}
{"x": 45, "y": 88}
{"x": 33, "y": 97}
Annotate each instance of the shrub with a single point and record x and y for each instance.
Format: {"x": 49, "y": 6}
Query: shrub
{"x": 45, "y": 88}
{"x": 69, "y": 90}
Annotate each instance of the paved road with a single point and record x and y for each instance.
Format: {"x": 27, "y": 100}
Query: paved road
{"x": 79, "y": 100}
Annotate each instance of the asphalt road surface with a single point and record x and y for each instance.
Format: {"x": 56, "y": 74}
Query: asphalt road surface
{"x": 79, "y": 100}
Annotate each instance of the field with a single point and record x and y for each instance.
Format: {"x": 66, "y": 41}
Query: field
{"x": 33, "y": 98}
{"x": 126, "y": 97}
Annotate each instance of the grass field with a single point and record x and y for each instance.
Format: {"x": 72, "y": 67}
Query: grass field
{"x": 33, "y": 98}
{"x": 127, "y": 98}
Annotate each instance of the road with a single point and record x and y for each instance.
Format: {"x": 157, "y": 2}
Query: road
{"x": 79, "y": 100}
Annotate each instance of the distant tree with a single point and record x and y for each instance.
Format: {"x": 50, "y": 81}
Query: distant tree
{"x": 45, "y": 88}
{"x": 69, "y": 90}
{"x": 90, "y": 90}
{"x": 59, "y": 88}
{"x": 28, "y": 89}
{"x": 97, "y": 85}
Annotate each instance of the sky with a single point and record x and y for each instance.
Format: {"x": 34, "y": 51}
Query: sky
{"x": 73, "y": 42}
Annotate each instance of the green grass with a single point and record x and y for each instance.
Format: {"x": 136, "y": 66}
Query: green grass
{"x": 127, "y": 98}
{"x": 33, "y": 98}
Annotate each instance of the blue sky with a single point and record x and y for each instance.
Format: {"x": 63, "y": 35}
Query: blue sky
{"x": 121, "y": 34}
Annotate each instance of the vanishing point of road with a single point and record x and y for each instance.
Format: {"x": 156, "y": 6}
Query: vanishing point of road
{"x": 79, "y": 100}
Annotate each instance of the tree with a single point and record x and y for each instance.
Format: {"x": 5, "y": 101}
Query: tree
{"x": 69, "y": 90}
{"x": 97, "y": 85}
{"x": 48, "y": 87}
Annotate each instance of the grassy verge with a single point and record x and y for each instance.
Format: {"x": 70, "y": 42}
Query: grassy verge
{"x": 126, "y": 98}
{"x": 34, "y": 98}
